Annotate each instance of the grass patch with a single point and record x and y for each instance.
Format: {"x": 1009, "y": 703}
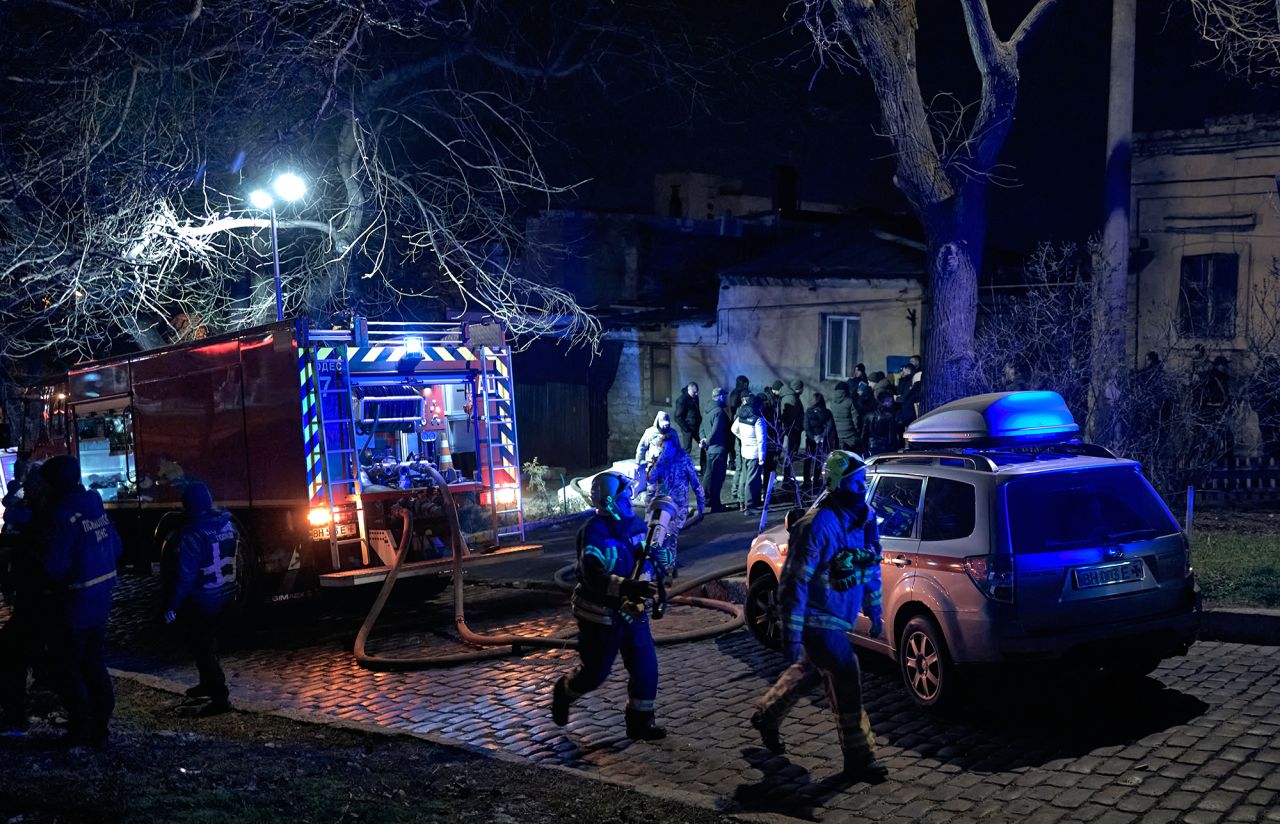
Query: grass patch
{"x": 165, "y": 766}
{"x": 1237, "y": 569}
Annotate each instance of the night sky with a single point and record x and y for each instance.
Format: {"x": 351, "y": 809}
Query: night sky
{"x": 762, "y": 114}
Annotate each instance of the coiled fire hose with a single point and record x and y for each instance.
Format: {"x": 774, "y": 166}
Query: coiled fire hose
{"x": 513, "y": 643}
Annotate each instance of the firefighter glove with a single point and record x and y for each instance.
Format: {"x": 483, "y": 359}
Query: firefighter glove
{"x": 637, "y": 589}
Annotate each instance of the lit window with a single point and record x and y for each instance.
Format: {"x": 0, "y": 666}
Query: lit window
{"x": 840, "y": 346}
{"x": 1207, "y": 296}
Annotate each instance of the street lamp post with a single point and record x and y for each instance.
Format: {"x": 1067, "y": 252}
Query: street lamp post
{"x": 288, "y": 187}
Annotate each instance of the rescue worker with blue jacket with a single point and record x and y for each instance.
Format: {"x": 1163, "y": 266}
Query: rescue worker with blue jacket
{"x": 79, "y": 564}
{"x": 832, "y": 572}
{"x": 611, "y": 610}
{"x": 198, "y": 571}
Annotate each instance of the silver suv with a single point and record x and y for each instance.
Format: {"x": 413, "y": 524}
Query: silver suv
{"x": 1004, "y": 541}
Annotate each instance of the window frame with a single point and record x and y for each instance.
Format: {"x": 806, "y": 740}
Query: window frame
{"x": 653, "y": 367}
{"x": 825, "y": 348}
{"x": 1193, "y": 327}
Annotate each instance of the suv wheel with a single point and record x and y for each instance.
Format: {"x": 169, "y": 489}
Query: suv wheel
{"x": 761, "y": 611}
{"x": 925, "y": 664}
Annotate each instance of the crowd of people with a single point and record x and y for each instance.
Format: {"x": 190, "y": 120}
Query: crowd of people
{"x": 757, "y": 433}
{"x": 59, "y": 553}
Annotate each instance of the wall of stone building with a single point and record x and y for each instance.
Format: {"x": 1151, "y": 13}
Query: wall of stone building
{"x": 628, "y": 399}
{"x": 765, "y": 331}
{"x": 1203, "y": 191}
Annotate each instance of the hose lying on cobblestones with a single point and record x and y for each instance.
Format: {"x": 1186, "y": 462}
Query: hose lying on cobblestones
{"x": 514, "y": 643}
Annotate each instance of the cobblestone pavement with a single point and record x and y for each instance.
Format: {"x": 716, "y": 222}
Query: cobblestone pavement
{"x": 1199, "y": 741}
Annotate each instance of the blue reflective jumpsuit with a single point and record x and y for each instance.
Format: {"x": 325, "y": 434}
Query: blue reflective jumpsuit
{"x": 607, "y": 553}
{"x": 831, "y": 572}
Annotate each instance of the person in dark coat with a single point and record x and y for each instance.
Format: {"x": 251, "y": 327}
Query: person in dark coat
{"x": 771, "y": 412}
{"x": 859, "y": 376}
{"x": 80, "y": 566}
{"x": 198, "y": 585}
{"x": 22, "y": 636}
{"x": 864, "y": 401}
{"x": 844, "y": 414}
{"x": 741, "y": 392}
{"x": 880, "y": 428}
{"x": 820, "y": 438}
{"x": 688, "y": 419}
{"x": 791, "y": 418}
{"x": 716, "y": 440}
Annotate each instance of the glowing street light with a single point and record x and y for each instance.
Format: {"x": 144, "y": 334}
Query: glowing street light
{"x": 288, "y": 187}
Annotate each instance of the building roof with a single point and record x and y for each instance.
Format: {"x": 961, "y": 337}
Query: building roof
{"x": 849, "y": 250}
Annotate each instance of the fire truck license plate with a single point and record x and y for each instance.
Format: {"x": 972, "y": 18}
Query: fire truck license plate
{"x": 1098, "y": 576}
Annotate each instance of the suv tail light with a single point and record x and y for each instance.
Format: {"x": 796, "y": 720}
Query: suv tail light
{"x": 992, "y": 575}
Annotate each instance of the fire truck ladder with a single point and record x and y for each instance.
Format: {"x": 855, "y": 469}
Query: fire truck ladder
{"x": 340, "y": 462}
{"x": 498, "y": 455}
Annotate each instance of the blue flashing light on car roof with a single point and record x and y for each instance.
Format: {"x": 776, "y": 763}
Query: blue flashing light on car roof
{"x": 996, "y": 419}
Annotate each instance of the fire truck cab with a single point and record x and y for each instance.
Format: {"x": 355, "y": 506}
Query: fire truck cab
{"x": 311, "y": 438}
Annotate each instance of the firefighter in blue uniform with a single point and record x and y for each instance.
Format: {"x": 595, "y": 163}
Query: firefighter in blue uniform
{"x": 610, "y": 607}
{"x": 198, "y": 585}
{"x": 832, "y": 572}
{"x": 80, "y": 567}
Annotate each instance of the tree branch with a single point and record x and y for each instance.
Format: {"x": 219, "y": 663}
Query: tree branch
{"x": 1030, "y": 25}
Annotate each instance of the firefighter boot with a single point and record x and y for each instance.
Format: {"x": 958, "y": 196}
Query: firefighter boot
{"x": 770, "y": 737}
{"x": 863, "y": 766}
{"x": 560, "y": 703}
{"x": 641, "y": 726}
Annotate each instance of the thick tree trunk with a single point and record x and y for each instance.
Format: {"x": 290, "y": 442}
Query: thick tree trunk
{"x": 1111, "y": 275}
{"x": 956, "y": 230}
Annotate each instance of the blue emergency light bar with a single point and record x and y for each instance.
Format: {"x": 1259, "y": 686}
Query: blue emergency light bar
{"x": 995, "y": 419}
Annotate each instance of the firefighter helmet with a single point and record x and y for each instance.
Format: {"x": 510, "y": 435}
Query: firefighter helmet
{"x": 606, "y": 489}
{"x": 842, "y": 466}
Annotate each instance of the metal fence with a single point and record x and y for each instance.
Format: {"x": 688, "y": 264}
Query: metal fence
{"x": 1254, "y": 481}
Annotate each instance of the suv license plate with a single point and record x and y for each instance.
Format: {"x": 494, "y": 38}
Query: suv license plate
{"x": 1098, "y": 576}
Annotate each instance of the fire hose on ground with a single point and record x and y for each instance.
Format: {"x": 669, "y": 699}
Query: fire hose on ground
{"x": 502, "y": 645}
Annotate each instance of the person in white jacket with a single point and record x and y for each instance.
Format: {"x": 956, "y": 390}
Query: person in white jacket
{"x": 649, "y": 448}
{"x": 750, "y": 429}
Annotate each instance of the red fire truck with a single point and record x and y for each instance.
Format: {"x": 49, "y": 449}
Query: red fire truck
{"x": 309, "y": 437}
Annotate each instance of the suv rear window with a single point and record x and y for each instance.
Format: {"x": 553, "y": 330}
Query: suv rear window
{"x": 948, "y": 510}
{"x": 1094, "y": 507}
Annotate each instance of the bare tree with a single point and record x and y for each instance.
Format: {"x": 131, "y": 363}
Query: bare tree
{"x": 943, "y": 172}
{"x": 130, "y": 135}
{"x": 1245, "y": 35}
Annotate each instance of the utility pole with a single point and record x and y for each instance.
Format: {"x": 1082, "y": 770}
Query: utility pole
{"x": 1111, "y": 307}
